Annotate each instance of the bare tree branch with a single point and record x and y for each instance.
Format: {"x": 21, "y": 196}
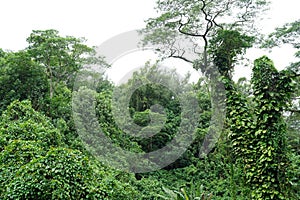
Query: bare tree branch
{"x": 181, "y": 25}
{"x": 182, "y": 58}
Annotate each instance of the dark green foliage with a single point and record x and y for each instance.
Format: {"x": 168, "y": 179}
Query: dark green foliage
{"x": 108, "y": 125}
{"x": 59, "y": 110}
{"x": 225, "y": 48}
{"x": 43, "y": 153}
{"x": 258, "y": 135}
{"x": 20, "y": 79}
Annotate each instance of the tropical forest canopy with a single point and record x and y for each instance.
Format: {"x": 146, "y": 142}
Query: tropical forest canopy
{"x": 46, "y": 90}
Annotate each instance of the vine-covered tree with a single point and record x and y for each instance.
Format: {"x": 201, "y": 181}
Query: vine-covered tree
{"x": 256, "y": 135}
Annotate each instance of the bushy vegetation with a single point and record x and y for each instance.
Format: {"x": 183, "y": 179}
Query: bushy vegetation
{"x": 45, "y": 93}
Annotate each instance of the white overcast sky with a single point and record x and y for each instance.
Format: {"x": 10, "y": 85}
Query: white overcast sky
{"x": 99, "y": 20}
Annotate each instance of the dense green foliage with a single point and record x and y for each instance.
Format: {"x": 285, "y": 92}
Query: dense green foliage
{"x": 46, "y": 93}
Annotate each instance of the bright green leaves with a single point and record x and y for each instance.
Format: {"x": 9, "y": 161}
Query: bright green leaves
{"x": 13, "y": 156}
{"x": 25, "y": 135}
{"x": 35, "y": 163}
{"x": 272, "y": 88}
{"x": 272, "y": 92}
{"x": 60, "y": 174}
{"x": 239, "y": 121}
{"x": 20, "y": 121}
{"x": 259, "y": 136}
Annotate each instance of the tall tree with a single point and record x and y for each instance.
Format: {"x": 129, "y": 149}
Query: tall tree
{"x": 258, "y": 135}
{"x": 196, "y": 22}
{"x": 60, "y": 56}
